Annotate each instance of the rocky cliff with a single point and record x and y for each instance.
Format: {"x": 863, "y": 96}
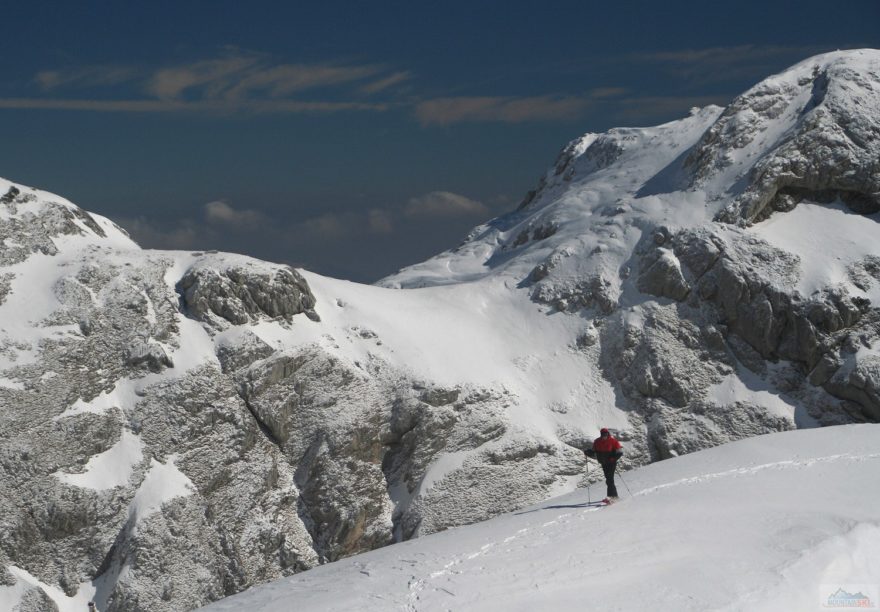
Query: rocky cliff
{"x": 176, "y": 427}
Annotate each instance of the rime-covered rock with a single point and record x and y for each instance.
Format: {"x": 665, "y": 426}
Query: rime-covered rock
{"x": 240, "y": 292}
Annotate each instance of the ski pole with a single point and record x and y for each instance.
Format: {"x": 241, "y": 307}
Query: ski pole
{"x": 588, "y": 478}
{"x": 622, "y": 480}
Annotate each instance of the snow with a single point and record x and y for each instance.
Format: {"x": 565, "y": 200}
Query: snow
{"x": 845, "y": 238}
{"x": 121, "y": 396}
{"x": 31, "y": 299}
{"x": 25, "y": 581}
{"x": 8, "y": 383}
{"x": 484, "y": 333}
{"x": 776, "y": 522}
{"x": 112, "y": 468}
{"x": 746, "y": 386}
{"x": 162, "y": 483}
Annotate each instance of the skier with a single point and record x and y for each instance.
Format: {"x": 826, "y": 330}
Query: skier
{"x": 607, "y": 450}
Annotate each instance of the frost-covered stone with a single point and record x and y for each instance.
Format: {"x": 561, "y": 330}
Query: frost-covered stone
{"x": 240, "y": 294}
{"x": 241, "y": 351}
{"x": 834, "y": 151}
{"x": 148, "y": 354}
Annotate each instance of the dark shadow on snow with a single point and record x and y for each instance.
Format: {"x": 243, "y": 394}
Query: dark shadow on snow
{"x": 595, "y": 504}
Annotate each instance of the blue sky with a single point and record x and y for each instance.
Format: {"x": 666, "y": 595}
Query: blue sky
{"x": 354, "y": 138}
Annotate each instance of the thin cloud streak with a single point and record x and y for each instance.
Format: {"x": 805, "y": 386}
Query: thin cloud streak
{"x": 715, "y": 64}
{"x": 444, "y": 204}
{"x": 200, "y": 106}
{"x": 88, "y": 76}
{"x": 237, "y": 82}
{"x": 170, "y": 83}
{"x": 446, "y": 111}
{"x": 246, "y": 82}
{"x": 727, "y": 55}
{"x": 242, "y": 77}
{"x": 385, "y": 83}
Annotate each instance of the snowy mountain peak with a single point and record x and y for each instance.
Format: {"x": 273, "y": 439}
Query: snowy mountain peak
{"x": 35, "y": 221}
{"x": 809, "y": 132}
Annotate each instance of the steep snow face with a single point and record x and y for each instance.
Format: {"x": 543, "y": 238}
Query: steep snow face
{"x": 829, "y": 241}
{"x": 586, "y": 215}
{"x": 778, "y": 522}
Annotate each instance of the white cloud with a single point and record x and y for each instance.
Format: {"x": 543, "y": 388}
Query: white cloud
{"x": 444, "y": 204}
{"x": 219, "y": 212}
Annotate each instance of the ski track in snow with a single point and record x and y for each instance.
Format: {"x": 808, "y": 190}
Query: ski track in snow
{"x": 754, "y": 469}
{"x": 419, "y": 585}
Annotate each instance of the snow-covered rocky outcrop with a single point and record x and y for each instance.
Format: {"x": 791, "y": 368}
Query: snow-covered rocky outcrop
{"x": 177, "y": 427}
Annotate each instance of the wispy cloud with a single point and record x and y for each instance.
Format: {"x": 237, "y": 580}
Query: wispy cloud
{"x": 247, "y": 82}
{"x": 208, "y": 106}
{"x": 712, "y": 64}
{"x": 445, "y": 111}
{"x": 242, "y": 77}
{"x": 170, "y": 83}
{"x": 727, "y": 55}
{"x": 602, "y": 93}
{"x": 235, "y": 82}
{"x": 380, "y": 221}
{"x": 89, "y": 76}
{"x": 444, "y": 204}
{"x": 221, "y": 213}
{"x": 386, "y": 82}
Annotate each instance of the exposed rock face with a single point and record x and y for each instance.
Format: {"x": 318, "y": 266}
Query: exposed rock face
{"x": 241, "y": 295}
{"x": 833, "y": 153}
{"x": 744, "y": 286}
{"x": 148, "y": 354}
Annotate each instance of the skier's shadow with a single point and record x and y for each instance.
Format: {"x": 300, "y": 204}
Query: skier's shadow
{"x": 562, "y": 506}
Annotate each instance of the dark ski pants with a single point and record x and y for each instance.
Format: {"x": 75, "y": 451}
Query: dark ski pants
{"x": 608, "y": 469}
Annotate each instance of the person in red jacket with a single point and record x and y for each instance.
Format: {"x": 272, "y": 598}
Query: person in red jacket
{"x": 607, "y": 450}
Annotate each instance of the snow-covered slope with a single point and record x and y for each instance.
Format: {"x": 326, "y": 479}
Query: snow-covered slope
{"x": 777, "y": 522}
{"x": 177, "y": 427}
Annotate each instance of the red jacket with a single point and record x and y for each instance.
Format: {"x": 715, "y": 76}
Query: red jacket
{"x": 606, "y": 445}
{"x": 606, "y": 450}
